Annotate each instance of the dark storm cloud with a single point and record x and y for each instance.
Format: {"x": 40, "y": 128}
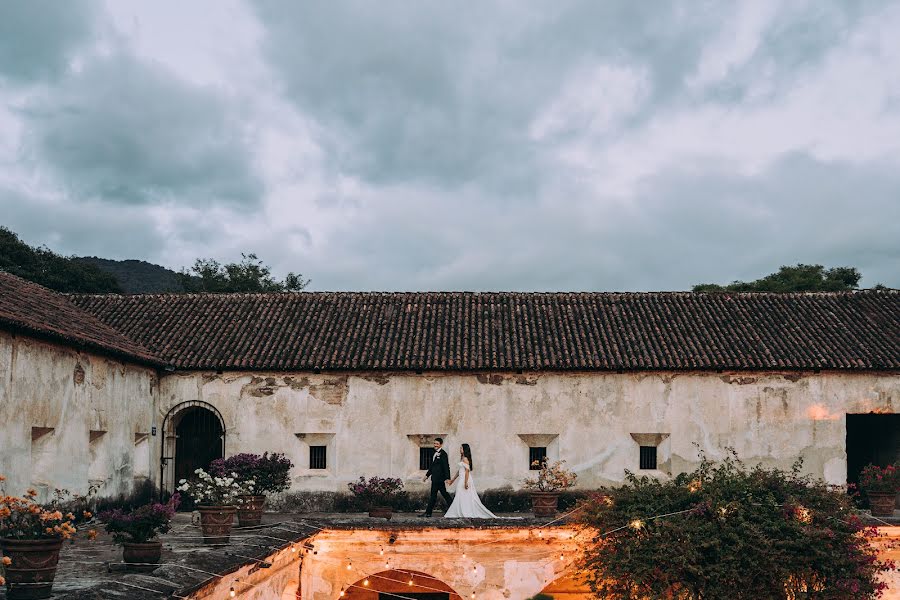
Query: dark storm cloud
{"x": 127, "y": 131}
{"x": 38, "y": 36}
{"x": 570, "y": 145}
{"x": 431, "y": 94}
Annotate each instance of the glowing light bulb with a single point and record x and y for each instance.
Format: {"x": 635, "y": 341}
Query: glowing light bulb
{"x": 349, "y": 564}
{"x": 540, "y": 533}
{"x": 473, "y": 594}
{"x": 561, "y": 557}
{"x": 464, "y": 554}
{"x": 381, "y": 551}
{"x": 293, "y": 548}
{"x": 637, "y": 524}
{"x": 410, "y": 581}
{"x": 231, "y": 592}
{"x": 366, "y": 582}
{"x": 474, "y": 570}
{"x": 342, "y": 593}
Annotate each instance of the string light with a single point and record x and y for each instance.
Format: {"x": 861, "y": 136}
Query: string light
{"x": 381, "y": 551}
{"x": 366, "y": 582}
{"x": 293, "y": 548}
{"x": 231, "y": 592}
{"x": 463, "y": 554}
{"x": 561, "y": 557}
{"x": 342, "y": 592}
{"x": 410, "y": 580}
{"x": 637, "y": 524}
{"x": 349, "y": 565}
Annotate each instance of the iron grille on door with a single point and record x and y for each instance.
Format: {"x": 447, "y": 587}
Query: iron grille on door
{"x": 318, "y": 457}
{"x": 648, "y": 457}
{"x": 536, "y": 457}
{"x": 426, "y": 454}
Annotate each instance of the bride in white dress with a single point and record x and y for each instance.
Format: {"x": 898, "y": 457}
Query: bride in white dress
{"x": 466, "y": 503}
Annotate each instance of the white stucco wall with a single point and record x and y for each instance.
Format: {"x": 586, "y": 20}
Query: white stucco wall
{"x": 57, "y": 432}
{"x": 370, "y": 423}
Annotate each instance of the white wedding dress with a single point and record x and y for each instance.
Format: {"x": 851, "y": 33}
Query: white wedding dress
{"x": 466, "y": 503}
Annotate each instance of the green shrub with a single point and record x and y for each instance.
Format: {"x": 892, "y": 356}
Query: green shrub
{"x": 737, "y": 533}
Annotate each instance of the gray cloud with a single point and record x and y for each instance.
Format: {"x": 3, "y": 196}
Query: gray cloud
{"x": 38, "y": 36}
{"x": 576, "y": 145}
{"x": 127, "y": 131}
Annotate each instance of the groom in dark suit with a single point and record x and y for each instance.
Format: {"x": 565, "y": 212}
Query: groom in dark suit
{"x": 439, "y": 471}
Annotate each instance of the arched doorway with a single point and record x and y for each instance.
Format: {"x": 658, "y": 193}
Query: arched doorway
{"x": 395, "y": 584}
{"x": 193, "y": 437}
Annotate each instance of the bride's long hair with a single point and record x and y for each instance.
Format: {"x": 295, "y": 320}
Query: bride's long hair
{"x": 467, "y": 452}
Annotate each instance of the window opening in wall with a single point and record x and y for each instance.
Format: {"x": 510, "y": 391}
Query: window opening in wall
{"x": 648, "y": 458}
{"x": 426, "y": 455}
{"x": 318, "y": 457}
{"x": 141, "y": 468}
{"x": 537, "y": 455}
{"x": 871, "y": 439}
{"x": 98, "y": 468}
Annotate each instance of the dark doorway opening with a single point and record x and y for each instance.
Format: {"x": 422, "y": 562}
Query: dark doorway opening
{"x": 198, "y": 441}
{"x": 871, "y": 439}
{"x": 398, "y": 596}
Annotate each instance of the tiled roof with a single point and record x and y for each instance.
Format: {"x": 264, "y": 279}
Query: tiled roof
{"x": 511, "y": 331}
{"x": 35, "y": 310}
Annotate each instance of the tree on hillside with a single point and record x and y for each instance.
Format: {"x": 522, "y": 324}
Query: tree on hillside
{"x": 45, "y": 267}
{"x": 249, "y": 276}
{"x": 799, "y": 278}
{"x": 726, "y": 531}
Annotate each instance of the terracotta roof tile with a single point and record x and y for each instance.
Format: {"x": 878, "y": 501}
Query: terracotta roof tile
{"x": 511, "y": 331}
{"x": 33, "y": 309}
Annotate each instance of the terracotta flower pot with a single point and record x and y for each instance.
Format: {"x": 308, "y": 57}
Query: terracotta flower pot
{"x": 381, "y": 512}
{"x": 882, "y": 503}
{"x": 544, "y": 504}
{"x": 143, "y": 556}
{"x": 216, "y": 523}
{"x": 250, "y": 510}
{"x": 33, "y": 567}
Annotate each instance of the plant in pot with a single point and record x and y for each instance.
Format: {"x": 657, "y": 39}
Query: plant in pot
{"x": 137, "y": 531}
{"x": 546, "y": 486}
{"x": 217, "y": 500}
{"x": 881, "y": 485}
{"x": 377, "y": 494}
{"x": 31, "y": 535}
{"x": 270, "y": 472}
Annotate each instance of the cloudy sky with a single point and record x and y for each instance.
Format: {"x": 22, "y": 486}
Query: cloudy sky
{"x": 566, "y": 145}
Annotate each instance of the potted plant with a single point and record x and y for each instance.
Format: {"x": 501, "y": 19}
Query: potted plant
{"x": 217, "y": 499}
{"x": 377, "y": 494}
{"x": 138, "y": 530}
{"x": 881, "y": 485}
{"x": 31, "y": 536}
{"x": 547, "y": 485}
{"x": 270, "y": 472}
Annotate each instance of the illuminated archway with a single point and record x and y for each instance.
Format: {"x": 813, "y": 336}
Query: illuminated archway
{"x": 568, "y": 586}
{"x": 395, "y": 584}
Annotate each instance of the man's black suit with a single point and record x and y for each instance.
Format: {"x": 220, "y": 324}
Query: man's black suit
{"x": 439, "y": 471}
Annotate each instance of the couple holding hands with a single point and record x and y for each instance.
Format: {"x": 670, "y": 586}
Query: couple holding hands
{"x": 465, "y": 502}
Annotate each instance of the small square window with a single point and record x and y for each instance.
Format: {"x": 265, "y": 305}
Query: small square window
{"x": 318, "y": 457}
{"x": 648, "y": 458}
{"x": 537, "y": 456}
{"x": 426, "y": 455}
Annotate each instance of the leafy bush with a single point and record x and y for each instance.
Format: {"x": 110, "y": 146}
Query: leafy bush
{"x": 141, "y": 524}
{"x": 216, "y": 490}
{"x": 376, "y": 491}
{"x": 880, "y": 480}
{"x": 732, "y": 533}
{"x": 270, "y": 472}
{"x": 551, "y": 478}
{"x": 23, "y": 518}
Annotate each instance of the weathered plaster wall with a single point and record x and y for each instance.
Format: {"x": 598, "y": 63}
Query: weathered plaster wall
{"x": 67, "y": 417}
{"x": 373, "y": 424}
